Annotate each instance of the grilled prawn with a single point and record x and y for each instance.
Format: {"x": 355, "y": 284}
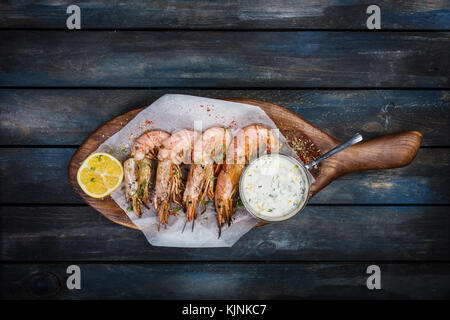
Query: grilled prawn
{"x": 168, "y": 186}
{"x": 131, "y": 184}
{"x": 138, "y": 168}
{"x": 250, "y": 142}
{"x": 209, "y": 150}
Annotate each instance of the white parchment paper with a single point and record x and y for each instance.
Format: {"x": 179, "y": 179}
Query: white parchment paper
{"x": 173, "y": 112}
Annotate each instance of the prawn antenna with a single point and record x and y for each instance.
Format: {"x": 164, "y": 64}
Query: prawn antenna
{"x": 220, "y": 231}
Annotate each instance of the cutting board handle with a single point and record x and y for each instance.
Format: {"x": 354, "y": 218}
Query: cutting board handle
{"x": 384, "y": 152}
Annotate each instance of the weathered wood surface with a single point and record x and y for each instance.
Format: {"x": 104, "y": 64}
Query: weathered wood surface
{"x": 42, "y": 220}
{"x": 320, "y": 233}
{"x": 267, "y": 281}
{"x": 69, "y": 116}
{"x": 224, "y": 59}
{"x": 39, "y": 175}
{"x": 202, "y": 14}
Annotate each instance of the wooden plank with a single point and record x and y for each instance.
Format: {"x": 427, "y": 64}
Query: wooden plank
{"x": 35, "y": 176}
{"x": 224, "y": 59}
{"x": 68, "y": 116}
{"x": 320, "y": 233}
{"x": 201, "y": 14}
{"x": 39, "y": 175}
{"x": 226, "y": 281}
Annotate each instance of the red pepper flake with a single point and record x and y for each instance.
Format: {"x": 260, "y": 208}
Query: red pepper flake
{"x": 208, "y": 109}
{"x": 172, "y": 213}
{"x": 201, "y": 106}
{"x": 306, "y": 150}
{"x": 233, "y": 124}
{"x": 148, "y": 122}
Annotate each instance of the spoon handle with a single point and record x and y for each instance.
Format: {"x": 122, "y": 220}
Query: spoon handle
{"x": 353, "y": 140}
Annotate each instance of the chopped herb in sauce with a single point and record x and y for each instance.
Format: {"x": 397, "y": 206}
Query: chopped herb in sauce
{"x": 274, "y": 187}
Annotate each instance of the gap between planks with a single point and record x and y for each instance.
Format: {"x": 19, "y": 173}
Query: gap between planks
{"x": 299, "y": 29}
{"x": 217, "y": 262}
{"x": 7, "y": 87}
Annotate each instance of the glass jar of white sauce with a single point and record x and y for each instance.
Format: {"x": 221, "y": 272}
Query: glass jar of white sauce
{"x": 274, "y": 187}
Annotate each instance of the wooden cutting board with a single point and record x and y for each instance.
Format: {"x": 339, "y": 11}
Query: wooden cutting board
{"x": 388, "y": 151}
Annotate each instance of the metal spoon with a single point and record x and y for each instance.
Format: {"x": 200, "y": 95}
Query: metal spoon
{"x": 353, "y": 140}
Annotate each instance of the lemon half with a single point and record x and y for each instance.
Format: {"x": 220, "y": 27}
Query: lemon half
{"x": 100, "y": 174}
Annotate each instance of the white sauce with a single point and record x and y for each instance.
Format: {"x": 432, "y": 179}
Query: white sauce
{"x": 274, "y": 186}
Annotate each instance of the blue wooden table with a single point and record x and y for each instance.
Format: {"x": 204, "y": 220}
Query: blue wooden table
{"x": 317, "y": 59}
